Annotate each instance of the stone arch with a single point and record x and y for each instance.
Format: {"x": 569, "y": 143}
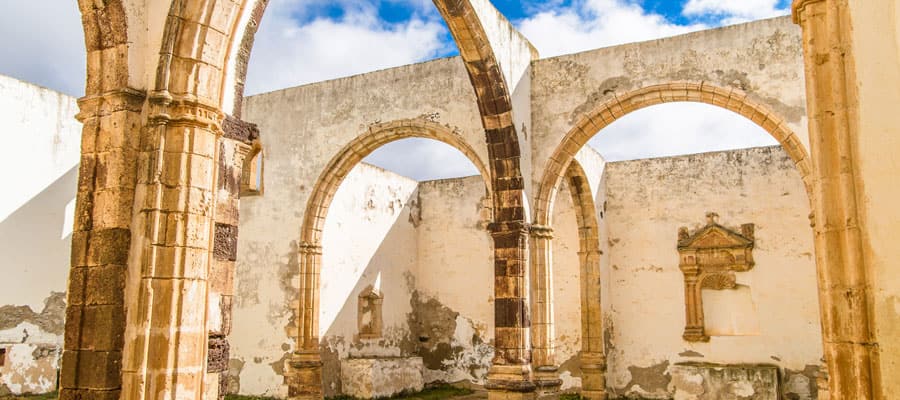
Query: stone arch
{"x": 323, "y": 192}
{"x": 593, "y": 358}
{"x": 355, "y": 151}
{"x": 621, "y": 104}
{"x": 494, "y": 103}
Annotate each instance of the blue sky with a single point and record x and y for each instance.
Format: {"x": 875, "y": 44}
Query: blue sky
{"x": 305, "y": 41}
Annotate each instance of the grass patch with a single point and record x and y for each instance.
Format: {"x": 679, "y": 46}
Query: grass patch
{"x": 432, "y": 393}
{"x": 46, "y": 396}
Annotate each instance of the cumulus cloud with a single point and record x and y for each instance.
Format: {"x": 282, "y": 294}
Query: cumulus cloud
{"x": 663, "y": 130}
{"x": 734, "y": 11}
{"x": 294, "y": 46}
{"x": 422, "y": 159}
{"x": 43, "y": 43}
{"x": 676, "y": 129}
{"x": 591, "y": 24}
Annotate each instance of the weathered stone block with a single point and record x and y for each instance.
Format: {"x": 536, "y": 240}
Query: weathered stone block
{"x": 369, "y": 378}
{"x": 699, "y": 381}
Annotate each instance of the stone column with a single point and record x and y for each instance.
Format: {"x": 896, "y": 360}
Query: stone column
{"x": 694, "y": 328}
{"x": 510, "y": 374}
{"x": 234, "y": 147}
{"x": 546, "y": 370}
{"x": 166, "y": 337}
{"x": 101, "y": 245}
{"x": 304, "y": 369}
{"x": 593, "y": 357}
{"x": 851, "y": 351}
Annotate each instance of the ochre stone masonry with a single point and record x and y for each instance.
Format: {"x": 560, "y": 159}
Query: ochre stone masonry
{"x": 175, "y": 294}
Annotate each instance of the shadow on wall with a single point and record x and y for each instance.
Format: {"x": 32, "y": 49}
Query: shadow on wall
{"x": 389, "y": 272}
{"x": 36, "y": 242}
{"x": 414, "y": 324}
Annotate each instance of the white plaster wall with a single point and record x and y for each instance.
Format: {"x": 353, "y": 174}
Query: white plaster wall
{"x": 566, "y": 288}
{"x": 763, "y": 58}
{"x": 456, "y": 268}
{"x": 648, "y": 201}
{"x": 368, "y": 239}
{"x": 302, "y": 129}
{"x": 42, "y": 141}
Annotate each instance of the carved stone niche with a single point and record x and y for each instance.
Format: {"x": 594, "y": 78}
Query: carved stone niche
{"x": 369, "y": 313}
{"x": 709, "y": 259}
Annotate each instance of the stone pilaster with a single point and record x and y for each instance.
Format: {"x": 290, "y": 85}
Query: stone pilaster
{"x": 546, "y": 370}
{"x": 304, "y": 369}
{"x": 593, "y": 358}
{"x": 101, "y": 245}
{"x": 851, "y": 350}
{"x": 510, "y": 375}
{"x": 166, "y": 337}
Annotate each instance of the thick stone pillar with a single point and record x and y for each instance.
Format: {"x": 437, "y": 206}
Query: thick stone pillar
{"x": 101, "y": 245}
{"x": 234, "y": 146}
{"x": 593, "y": 357}
{"x": 546, "y": 369}
{"x": 166, "y": 337}
{"x": 845, "y": 294}
{"x": 510, "y": 374}
{"x": 304, "y": 369}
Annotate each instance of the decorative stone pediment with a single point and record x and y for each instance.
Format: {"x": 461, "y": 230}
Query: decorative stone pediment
{"x": 709, "y": 259}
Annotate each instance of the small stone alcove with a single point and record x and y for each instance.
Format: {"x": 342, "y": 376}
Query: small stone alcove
{"x": 709, "y": 259}
{"x": 369, "y": 318}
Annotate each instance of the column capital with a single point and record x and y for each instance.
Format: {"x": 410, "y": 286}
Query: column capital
{"x": 799, "y": 6}
{"x": 123, "y": 99}
{"x": 508, "y": 228}
{"x": 186, "y": 110}
{"x": 541, "y": 231}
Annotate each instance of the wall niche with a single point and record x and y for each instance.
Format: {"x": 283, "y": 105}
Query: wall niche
{"x": 369, "y": 313}
{"x": 709, "y": 260}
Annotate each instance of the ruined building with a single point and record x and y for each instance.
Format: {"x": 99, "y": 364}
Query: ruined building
{"x": 222, "y": 244}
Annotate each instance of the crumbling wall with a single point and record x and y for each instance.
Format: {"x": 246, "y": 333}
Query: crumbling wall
{"x": 369, "y": 239}
{"x": 454, "y": 304}
{"x": 40, "y": 167}
{"x": 301, "y": 130}
{"x": 648, "y": 201}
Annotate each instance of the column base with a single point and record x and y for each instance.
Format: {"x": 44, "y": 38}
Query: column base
{"x": 593, "y": 376}
{"x": 510, "y": 382}
{"x": 547, "y": 382}
{"x": 303, "y": 376}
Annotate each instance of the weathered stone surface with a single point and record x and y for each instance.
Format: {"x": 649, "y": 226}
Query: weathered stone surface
{"x": 697, "y": 381}
{"x": 372, "y": 378}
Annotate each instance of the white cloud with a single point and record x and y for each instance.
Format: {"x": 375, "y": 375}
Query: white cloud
{"x": 734, "y": 11}
{"x": 291, "y": 49}
{"x": 676, "y": 129}
{"x": 43, "y": 43}
{"x": 591, "y": 24}
{"x": 664, "y": 130}
{"x": 422, "y": 159}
